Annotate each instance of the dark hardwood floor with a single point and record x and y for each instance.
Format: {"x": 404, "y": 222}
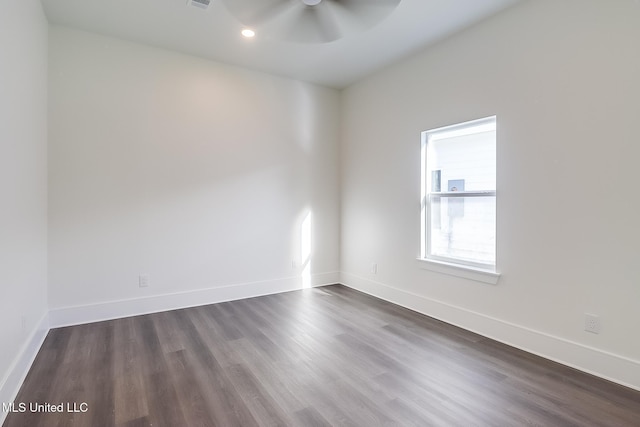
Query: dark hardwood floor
{"x": 321, "y": 357}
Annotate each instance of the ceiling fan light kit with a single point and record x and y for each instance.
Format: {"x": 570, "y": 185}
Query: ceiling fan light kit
{"x": 310, "y": 21}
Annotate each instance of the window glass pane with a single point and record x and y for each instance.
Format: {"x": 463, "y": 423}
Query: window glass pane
{"x": 463, "y": 228}
{"x": 467, "y": 161}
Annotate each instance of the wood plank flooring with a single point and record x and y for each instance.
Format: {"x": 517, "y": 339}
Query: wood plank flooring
{"x": 320, "y": 357}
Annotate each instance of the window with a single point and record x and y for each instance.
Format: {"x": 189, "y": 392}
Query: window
{"x": 459, "y": 195}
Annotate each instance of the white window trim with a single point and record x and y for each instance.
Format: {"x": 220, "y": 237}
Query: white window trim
{"x": 460, "y": 270}
{"x": 450, "y": 267}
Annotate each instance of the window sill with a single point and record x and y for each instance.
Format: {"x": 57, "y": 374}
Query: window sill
{"x": 466, "y": 272}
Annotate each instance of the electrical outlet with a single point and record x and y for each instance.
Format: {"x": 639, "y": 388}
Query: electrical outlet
{"x": 374, "y": 268}
{"x": 143, "y": 280}
{"x": 592, "y": 323}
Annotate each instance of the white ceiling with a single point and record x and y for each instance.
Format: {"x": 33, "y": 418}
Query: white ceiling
{"x": 215, "y": 34}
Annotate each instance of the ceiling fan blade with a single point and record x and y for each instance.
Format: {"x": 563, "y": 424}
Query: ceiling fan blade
{"x": 315, "y": 24}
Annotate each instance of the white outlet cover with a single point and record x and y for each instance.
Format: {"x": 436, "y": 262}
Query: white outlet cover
{"x": 592, "y": 323}
{"x": 143, "y": 280}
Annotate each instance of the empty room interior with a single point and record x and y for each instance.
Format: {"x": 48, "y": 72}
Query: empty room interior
{"x": 393, "y": 212}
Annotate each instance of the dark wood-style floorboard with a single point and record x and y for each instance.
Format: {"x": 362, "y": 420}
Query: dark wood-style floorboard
{"x": 329, "y": 356}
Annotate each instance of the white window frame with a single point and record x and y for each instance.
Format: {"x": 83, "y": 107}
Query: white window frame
{"x": 486, "y": 273}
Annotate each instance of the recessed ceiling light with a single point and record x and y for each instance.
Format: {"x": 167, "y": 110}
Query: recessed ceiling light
{"x": 248, "y": 33}
{"x": 311, "y": 2}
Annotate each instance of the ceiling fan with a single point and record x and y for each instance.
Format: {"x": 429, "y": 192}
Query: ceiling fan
{"x": 310, "y": 21}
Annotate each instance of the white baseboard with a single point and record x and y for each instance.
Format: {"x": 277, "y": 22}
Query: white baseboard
{"x": 20, "y": 367}
{"x": 612, "y": 367}
{"x": 67, "y": 316}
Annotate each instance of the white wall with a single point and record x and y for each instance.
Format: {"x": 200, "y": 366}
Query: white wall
{"x": 563, "y": 80}
{"x": 196, "y": 173}
{"x": 23, "y": 185}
